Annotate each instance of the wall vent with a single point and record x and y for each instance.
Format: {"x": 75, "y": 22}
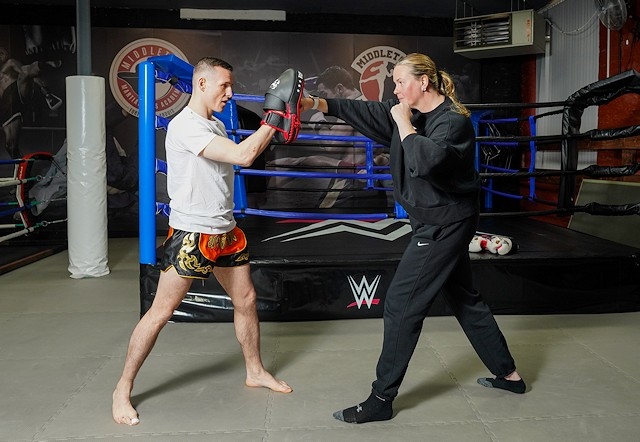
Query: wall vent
{"x": 499, "y": 35}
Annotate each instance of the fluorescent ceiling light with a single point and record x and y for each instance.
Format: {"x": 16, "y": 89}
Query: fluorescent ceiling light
{"x": 233, "y": 14}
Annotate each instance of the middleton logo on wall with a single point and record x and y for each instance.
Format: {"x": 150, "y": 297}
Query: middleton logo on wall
{"x": 375, "y": 66}
{"x": 123, "y": 77}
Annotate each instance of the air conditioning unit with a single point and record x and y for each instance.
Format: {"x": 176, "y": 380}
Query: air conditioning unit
{"x": 499, "y": 35}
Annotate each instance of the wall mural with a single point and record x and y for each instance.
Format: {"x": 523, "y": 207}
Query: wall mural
{"x": 36, "y": 59}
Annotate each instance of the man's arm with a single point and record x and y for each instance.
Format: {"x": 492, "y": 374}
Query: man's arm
{"x": 13, "y": 68}
{"x": 241, "y": 154}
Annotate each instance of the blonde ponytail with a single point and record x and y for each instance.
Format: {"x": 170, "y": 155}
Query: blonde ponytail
{"x": 449, "y": 89}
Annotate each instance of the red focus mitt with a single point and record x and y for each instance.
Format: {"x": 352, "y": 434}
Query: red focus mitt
{"x": 282, "y": 105}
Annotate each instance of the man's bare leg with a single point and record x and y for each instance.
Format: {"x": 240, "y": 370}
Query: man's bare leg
{"x": 171, "y": 290}
{"x": 237, "y": 283}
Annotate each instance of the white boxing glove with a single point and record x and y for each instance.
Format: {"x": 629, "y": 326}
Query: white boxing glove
{"x": 476, "y": 244}
{"x": 500, "y": 245}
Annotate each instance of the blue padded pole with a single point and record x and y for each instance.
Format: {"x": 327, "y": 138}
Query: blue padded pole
{"x": 146, "y": 162}
{"x": 399, "y": 211}
{"x": 369, "y": 163}
{"x": 532, "y": 162}
{"x": 475, "y": 121}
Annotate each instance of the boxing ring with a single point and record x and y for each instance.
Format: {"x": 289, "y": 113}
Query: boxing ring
{"x": 329, "y": 264}
{"x": 27, "y": 234}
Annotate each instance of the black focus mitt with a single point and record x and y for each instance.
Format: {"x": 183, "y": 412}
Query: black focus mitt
{"x": 282, "y": 105}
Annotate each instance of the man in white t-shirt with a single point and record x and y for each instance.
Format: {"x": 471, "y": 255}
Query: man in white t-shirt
{"x": 203, "y": 237}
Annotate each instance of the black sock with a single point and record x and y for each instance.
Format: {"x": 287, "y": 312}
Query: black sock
{"x": 373, "y": 409}
{"x": 513, "y": 386}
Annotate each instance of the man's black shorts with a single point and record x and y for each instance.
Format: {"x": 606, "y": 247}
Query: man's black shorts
{"x": 194, "y": 255}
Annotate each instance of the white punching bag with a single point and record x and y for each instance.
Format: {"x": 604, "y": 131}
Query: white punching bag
{"x": 86, "y": 177}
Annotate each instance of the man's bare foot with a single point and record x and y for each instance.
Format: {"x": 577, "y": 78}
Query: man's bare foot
{"x": 122, "y": 410}
{"x": 266, "y": 380}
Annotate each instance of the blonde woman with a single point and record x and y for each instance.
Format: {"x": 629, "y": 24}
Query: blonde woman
{"x": 431, "y": 142}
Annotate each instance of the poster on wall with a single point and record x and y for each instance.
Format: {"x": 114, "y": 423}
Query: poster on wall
{"x": 34, "y": 62}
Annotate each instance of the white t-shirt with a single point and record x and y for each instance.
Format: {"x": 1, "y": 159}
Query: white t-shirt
{"x": 201, "y": 190}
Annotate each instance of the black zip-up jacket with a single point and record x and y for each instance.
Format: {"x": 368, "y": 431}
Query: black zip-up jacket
{"x": 434, "y": 178}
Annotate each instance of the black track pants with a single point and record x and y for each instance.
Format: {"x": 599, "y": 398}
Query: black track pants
{"x": 436, "y": 261}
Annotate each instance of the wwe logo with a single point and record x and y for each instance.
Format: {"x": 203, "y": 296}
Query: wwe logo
{"x": 364, "y": 292}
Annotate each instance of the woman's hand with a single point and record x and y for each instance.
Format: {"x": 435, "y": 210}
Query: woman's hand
{"x": 401, "y": 114}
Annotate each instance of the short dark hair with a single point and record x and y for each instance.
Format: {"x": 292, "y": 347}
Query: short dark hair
{"x": 211, "y": 62}
{"x": 335, "y": 75}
